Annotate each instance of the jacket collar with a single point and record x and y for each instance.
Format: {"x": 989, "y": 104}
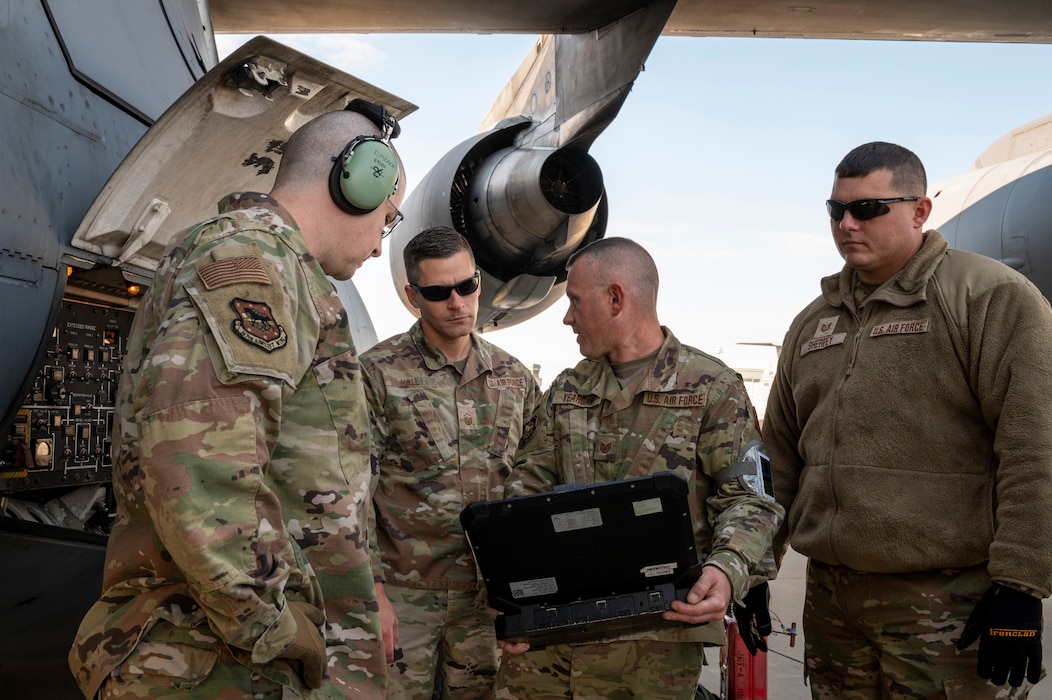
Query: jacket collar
{"x": 906, "y": 288}
{"x": 660, "y": 376}
{"x": 478, "y": 360}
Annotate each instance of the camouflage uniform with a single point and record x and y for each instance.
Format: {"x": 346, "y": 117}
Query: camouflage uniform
{"x": 445, "y": 439}
{"x": 687, "y": 413}
{"x": 241, "y": 477}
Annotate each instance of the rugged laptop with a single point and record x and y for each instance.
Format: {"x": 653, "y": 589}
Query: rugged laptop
{"x": 586, "y": 561}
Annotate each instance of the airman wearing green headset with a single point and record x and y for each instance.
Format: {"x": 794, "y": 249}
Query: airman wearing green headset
{"x": 238, "y": 565}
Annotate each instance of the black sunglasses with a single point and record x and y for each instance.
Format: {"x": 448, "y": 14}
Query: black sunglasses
{"x": 863, "y": 209}
{"x": 441, "y": 292}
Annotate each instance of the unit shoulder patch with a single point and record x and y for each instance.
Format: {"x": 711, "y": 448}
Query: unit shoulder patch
{"x": 255, "y": 324}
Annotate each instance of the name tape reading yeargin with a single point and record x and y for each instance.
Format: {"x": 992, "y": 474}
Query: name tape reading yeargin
{"x": 573, "y": 398}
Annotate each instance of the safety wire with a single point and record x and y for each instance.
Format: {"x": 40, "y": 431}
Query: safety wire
{"x": 790, "y": 632}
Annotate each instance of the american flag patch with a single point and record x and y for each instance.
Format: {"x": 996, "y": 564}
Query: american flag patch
{"x": 233, "y": 271}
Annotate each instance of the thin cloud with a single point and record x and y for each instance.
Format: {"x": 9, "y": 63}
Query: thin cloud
{"x": 345, "y": 52}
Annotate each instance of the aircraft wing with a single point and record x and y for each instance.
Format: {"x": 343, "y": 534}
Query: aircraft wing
{"x": 933, "y": 20}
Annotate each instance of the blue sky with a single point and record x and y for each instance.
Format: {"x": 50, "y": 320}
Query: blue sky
{"x": 719, "y": 162}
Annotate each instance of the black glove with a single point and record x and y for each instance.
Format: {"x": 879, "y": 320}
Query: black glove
{"x": 1007, "y": 624}
{"x": 309, "y": 646}
{"x": 754, "y": 619}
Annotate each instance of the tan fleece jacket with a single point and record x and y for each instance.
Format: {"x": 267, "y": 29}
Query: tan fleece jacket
{"x": 908, "y": 437}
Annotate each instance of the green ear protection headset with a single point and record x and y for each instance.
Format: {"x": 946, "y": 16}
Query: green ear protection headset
{"x": 365, "y": 173}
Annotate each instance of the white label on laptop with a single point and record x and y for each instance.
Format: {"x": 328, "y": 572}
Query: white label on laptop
{"x": 658, "y": 570}
{"x": 648, "y": 506}
{"x": 577, "y": 520}
{"x": 533, "y": 587}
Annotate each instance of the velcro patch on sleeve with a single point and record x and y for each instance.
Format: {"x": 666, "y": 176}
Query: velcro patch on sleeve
{"x": 253, "y": 329}
{"x": 232, "y": 265}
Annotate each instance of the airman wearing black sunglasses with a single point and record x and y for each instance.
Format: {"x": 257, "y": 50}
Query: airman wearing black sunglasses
{"x": 908, "y": 427}
{"x": 448, "y": 410}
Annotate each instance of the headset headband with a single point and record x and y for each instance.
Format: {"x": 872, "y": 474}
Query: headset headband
{"x": 387, "y": 124}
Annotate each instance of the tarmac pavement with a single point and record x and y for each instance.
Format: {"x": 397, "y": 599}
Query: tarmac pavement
{"x": 785, "y": 664}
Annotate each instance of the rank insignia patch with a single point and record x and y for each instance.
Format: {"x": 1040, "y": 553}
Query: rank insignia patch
{"x": 255, "y": 324}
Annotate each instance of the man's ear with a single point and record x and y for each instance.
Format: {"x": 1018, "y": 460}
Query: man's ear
{"x": 617, "y": 298}
{"x": 922, "y": 211}
{"x": 410, "y": 294}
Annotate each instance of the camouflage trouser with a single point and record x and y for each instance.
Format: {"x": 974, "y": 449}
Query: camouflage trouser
{"x": 180, "y": 662}
{"x": 642, "y": 669}
{"x": 891, "y": 636}
{"x": 449, "y": 649}
{"x": 226, "y": 680}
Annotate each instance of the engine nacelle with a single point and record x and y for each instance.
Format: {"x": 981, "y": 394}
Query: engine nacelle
{"x": 524, "y": 210}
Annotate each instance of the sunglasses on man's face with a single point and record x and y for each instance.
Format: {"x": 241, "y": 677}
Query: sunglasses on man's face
{"x": 441, "y": 292}
{"x": 863, "y": 209}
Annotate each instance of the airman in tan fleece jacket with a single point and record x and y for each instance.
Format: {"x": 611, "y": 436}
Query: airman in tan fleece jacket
{"x": 910, "y": 433}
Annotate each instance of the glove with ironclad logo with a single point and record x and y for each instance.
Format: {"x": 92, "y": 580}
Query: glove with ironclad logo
{"x": 754, "y": 618}
{"x": 1007, "y": 624}
{"x": 308, "y": 647}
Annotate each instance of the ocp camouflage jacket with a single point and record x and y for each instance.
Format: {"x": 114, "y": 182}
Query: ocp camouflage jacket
{"x": 241, "y": 465}
{"x": 689, "y": 414}
{"x": 443, "y": 440}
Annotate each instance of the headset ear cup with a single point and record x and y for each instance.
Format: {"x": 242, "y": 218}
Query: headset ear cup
{"x": 364, "y": 175}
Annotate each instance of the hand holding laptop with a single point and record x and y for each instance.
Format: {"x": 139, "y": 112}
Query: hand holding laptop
{"x": 707, "y": 600}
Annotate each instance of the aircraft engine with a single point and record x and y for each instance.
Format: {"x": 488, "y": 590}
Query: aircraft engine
{"x": 524, "y": 210}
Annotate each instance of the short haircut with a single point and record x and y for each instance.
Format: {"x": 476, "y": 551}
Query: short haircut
{"x": 907, "y": 171}
{"x": 436, "y": 242}
{"x": 309, "y": 154}
{"x": 621, "y": 260}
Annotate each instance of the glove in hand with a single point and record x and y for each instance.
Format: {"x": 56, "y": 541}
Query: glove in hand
{"x": 309, "y": 646}
{"x": 754, "y": 619}
{"x": 1007, "y": 624}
